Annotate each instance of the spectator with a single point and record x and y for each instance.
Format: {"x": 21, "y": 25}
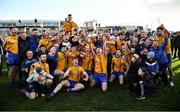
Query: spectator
{"x": 34, "y": 41}
{"x": 132, "y": 72}
{"x": 25, "y": 65}
{"x": 23, "y": 46}
{"x": 145, "y": 84}
{"x": 177, "y": 45}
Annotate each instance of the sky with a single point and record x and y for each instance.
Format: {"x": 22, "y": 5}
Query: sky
{"x": 149, "y": 13}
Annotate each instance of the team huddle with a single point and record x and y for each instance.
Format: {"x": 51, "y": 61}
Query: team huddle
{"x": 72, "y": 57}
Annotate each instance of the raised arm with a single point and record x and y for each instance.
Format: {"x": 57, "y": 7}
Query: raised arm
{"x": 104, "y": 48}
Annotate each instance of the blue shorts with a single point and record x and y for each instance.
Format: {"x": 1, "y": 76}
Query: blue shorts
{"x": 12, "y": 59}
{"x": 169, "y": 57}
{"x": 65, "y": 70}
{"x": 89, "y": 72}
{"x": 117, "y": 74}
{"x": 72, "y": 83}
{"x": 100, "y": 77}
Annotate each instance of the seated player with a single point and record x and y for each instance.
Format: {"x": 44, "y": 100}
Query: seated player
{"x": 36, "y": 81}
{"x": 38, "y": 78}
{"x": 73, "y": 74}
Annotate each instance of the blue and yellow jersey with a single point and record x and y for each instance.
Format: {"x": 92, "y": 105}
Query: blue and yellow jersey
{"x": 90, "y": 44}
{"x": 11, "y": 44}
{"x": 44, "y": 41}
{"x": 71, "y": 55}
{"x": 100, "y": 63}
{"x": 119, "y": 64}
{"x": 75, "y": 73}
{"x": 43, "y": 66}
{"x": 69, "y": 25}
{"x": 62, "y": 61}
{"x": 87, "y": 61}
{"x": 118, "y": 43}
{"x": 112, "y": 46}
{"x": 161, "y": 40}
{"x": 127, "y": 56}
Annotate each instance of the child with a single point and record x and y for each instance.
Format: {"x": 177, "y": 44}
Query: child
{"x": 145, "y": 84}
{"x": 152, "y": 65}
{"x": 132, "y": 72}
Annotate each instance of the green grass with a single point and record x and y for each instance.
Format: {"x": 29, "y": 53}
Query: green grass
{"x": 115, "y": 98}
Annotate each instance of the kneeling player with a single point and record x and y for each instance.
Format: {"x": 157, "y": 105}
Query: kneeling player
{"x": 100, "y": 75}
{"x": 118, "y": 67}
